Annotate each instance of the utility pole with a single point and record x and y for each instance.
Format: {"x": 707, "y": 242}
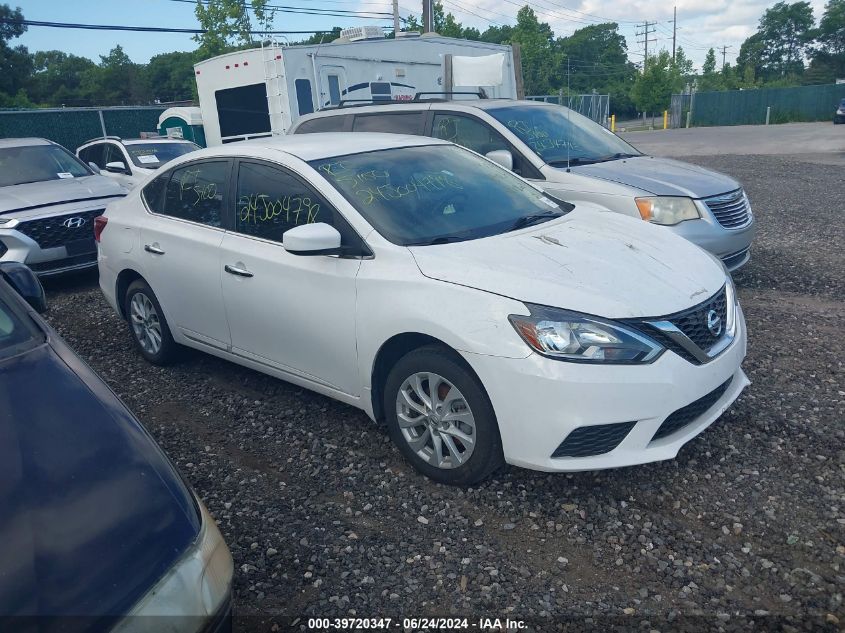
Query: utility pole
{"x": 396, "y": 18}
{"x": 428, "y": 16}
{"x": 674, "y": 30}
{"x": 724, "y": 50}
{"x": 648, "y": 29}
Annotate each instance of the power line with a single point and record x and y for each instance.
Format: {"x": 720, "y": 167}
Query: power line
{"x": 645, "y": 33}
{"x": 724, "y": 50}
{"x": 144, "y": 29}
{"x": 338, "y": 13}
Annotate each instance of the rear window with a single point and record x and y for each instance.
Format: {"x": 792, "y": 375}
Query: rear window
{"x": 38, "y": 163}
{"x": 154, "y": 155}
{"x": 407, "y": 123}
{"x": 322, "y": 124}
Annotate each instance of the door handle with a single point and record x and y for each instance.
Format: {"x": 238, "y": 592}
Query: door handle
{"x": 155, "y": 250}
{"x": 240, "y": 272}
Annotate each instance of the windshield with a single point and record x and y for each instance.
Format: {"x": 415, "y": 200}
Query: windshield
{"x": 435, "y": 194}
{"x": 558, "y": 134}
{"x": 37, "y": 163}
{"x": 154, "y": 155}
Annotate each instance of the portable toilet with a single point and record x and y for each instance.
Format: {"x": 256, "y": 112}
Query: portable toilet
{"x": 182, "y": 122}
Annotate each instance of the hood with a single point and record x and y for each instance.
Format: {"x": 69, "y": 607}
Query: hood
{"x": 93, "y": 512}
{"x": 599, "y": 263}
{"x": 661, "y": 176}
{"x": 41, "y": 194}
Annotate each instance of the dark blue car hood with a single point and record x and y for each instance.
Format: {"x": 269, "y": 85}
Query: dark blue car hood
{"x": 92, "y": 514}
{"x": 661, "y": 176}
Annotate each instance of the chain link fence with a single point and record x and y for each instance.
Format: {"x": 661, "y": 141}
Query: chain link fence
{"x": 71, "y": 127}
{"x": 592, "y": 106}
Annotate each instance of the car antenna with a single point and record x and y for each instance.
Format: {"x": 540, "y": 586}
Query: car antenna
{"x": 568, "y": 124}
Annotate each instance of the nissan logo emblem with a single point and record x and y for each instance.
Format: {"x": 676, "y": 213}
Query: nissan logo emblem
{"x": 74, "y": 223}
{"x": 714, "y": 323}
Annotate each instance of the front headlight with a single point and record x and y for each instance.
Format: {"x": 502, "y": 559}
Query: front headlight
{"x": 575, "y": 337}
{"x": 667, "y": 210}
{"x": 194, "y": 590}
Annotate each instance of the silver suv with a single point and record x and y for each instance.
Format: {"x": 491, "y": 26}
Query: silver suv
{"x": 572, "y": 158}
{"x": 48, "y": 202}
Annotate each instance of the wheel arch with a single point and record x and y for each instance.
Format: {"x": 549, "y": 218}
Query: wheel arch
{"x": 124, "y": 280}
{"x": 395, "y": 348}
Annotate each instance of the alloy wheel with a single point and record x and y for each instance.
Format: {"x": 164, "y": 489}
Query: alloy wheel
{"x": 435, "y": 419}
{"x": 145, "y": 323}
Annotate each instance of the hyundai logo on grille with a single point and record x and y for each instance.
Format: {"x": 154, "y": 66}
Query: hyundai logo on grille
{"x": 714, "y": 323}
{"x": 74, "y": 223}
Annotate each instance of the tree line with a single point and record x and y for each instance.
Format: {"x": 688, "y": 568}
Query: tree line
{"x": 787, "y": 49}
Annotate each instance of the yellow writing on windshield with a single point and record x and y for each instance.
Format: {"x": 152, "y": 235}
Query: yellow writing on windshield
{"x": 537, "y": 138}
{"x": 375, "y": 184}
{"x": 259, "y": 207}
{"x": 191, "y": 187}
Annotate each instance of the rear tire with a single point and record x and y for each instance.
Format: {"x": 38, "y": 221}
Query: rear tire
{"x": 440, "y": 417}
{"x": 147, "y": 325}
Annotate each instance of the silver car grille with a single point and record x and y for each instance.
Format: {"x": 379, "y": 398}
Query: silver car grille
{"x": 730, "y": 209}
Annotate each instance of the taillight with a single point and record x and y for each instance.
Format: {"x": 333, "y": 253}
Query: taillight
{"x": 99, "y": 224}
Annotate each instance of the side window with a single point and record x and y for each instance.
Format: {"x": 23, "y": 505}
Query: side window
{"x": 271, "y": 200}
{"x": 154, "y": 193}
{"x": 93, "y": 154}
{"x": 113, "y": 154}
{"x": 467, "y": 131}
{"x": 381, "y": 91}
{"x": 334, "y": 89}
{"x": 323, "y": 124}
{"x": 304, "y": 100}
{"x": 406, "y": 123}
{"x": 197, "y": 192}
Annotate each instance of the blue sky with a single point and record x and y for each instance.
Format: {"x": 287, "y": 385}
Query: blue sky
{"x": 701, "y": 24}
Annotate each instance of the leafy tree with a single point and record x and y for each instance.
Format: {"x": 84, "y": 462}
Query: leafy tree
{"x": 786, "y": 29}
{"x": 653, "y": 89}
{"x": 710, "y": 80}
{"x": 750, "y": 59}
{"x": 828, "y": 55}
{"x": 15, "y": 61}
{"x": 541, "y": 62}
{"x": 170, "y": 76}
{"x": 115, "y": 81}
{"x": 228, "y": 24}
{"x": 58, "y": 77}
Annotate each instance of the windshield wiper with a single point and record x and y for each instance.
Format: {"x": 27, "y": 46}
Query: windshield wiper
{"x": 442, "y": 239}
{"x": 534, "y": 218}
{"x": 572, "y": 162}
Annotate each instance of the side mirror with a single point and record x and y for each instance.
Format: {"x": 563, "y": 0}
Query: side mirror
{"x": 94, "y": 167}
{"x": 116, "y": 168}
{"x": 25, "y": 283}
{"x": 312, "y": 239}
{"x": 501, "y": 157}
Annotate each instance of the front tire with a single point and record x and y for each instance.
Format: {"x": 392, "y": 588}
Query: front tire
{"x": 148, "y": 326}
{"x": 440, "y": 417}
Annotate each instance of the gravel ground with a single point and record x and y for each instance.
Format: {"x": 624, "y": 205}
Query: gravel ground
{"x": 744, "y": 530}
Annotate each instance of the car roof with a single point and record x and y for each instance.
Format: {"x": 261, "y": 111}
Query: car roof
{"x": 320, "y": 145}
{"x": 164, "y": 139}
{"x": 23, "y": 142}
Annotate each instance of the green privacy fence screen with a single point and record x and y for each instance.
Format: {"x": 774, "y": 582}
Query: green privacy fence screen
{"x": 748, "y": 107}
{"x": 73, "y": 126}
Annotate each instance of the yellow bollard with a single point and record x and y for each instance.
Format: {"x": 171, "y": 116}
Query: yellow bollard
{"x": 666, "y": 119}
{"x": 613, "y": 123}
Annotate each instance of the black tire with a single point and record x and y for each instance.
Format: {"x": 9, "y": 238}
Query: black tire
{"x": 169, "y": 350}
{"x": 487, "y": 455}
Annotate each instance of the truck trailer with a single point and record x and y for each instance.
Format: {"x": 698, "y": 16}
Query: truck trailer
{"x": 263, "y": 91}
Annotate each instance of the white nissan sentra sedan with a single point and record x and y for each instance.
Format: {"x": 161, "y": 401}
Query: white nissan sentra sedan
{"x": 481, "y": 320}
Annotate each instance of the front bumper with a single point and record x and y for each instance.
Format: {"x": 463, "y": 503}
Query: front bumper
{"x": 732, "y": 246}
{"x": 540, "y": 401}
{"x": 46, "y": 245}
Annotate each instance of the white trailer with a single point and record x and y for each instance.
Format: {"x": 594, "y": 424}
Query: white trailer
{"x": 263, "y": 91}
